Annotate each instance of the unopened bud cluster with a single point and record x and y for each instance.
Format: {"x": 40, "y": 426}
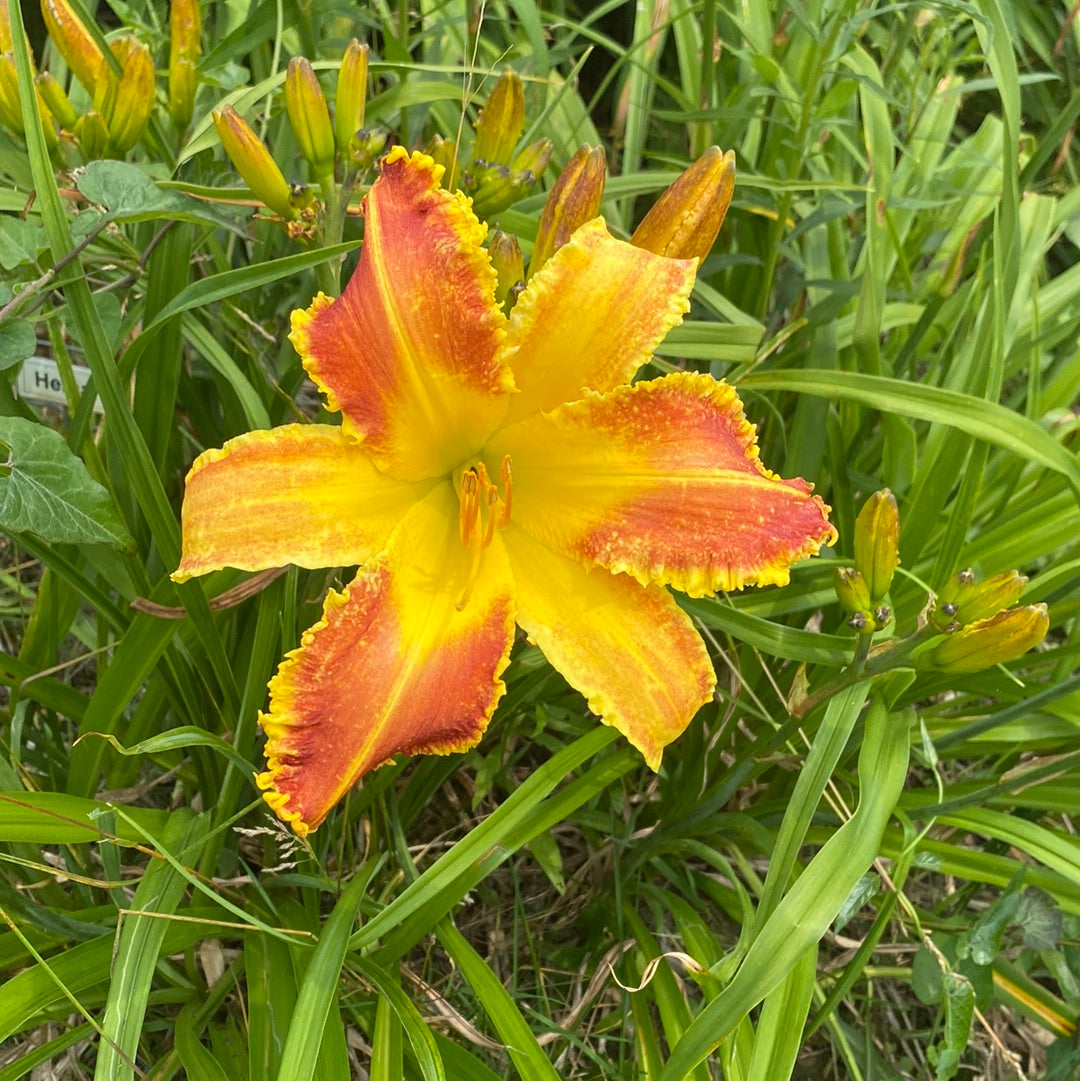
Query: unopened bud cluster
{"x": 863, "y": 589}
{"x": 120, "y": 84}
{"x": 981, "y": 624}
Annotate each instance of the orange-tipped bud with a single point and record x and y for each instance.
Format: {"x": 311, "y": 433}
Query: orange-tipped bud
{"x": 73, "y": 41}
{"x": 509, "y": 265}
{"x": 1003, "y": 637}
{"x": 351, "y": 97}
{"x": 185, "y": 46}
{"x": 573, "y": 200}
{"x": 877, "y": 537}
{"x": 92, "y": 135}
{"x": 309, "y": 117}
{"x": 684, "y": 222}
{"x": 253, "y": 162}
{"x": 134, "y": 95}
{"x": 499, "y": 125}
{"x": 56, "y": 99}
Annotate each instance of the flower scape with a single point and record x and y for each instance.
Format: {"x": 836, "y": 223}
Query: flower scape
{"x": 490, "y": 470}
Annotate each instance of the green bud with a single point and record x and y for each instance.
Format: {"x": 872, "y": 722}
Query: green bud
{"x": 508, "y": 262}
{"x": 851, "y": 590}
{"x": 1002, "y": 637}
{"x": 253, "y": 161}
{"x": 351, "y": 97}
{"x": 499, "y": 125}
{"x": 877, "y": 535}
{"x": 91, "y": 134}
{"x": 59, "y": 104}
{"x": 444, "y": 152}
{"x": 573, "y": 200}
{"x": 684, "y": 222}
{"x": 309, "y": 117}
{"x": 533, "y": 160}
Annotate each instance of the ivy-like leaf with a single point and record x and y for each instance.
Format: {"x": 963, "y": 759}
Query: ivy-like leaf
{"x": 129, "y": 194}
{"x": 17, "y": 342}
{"x": 47, "y": 491}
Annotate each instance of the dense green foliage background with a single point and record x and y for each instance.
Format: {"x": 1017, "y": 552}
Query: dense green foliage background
{"x": 875, "y": 891}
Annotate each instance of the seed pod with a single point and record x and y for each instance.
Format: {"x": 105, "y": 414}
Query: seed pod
{"x": 684, "y": 222}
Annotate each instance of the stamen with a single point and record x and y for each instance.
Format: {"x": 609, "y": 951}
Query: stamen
{"x": 508, "y": 492}
{"x": 469, "y": 507}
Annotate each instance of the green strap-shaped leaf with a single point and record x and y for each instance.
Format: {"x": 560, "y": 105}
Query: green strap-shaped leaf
{"x": 47, "y": 491}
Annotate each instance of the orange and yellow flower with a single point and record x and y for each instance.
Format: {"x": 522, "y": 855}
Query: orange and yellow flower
{"x": 490, "y": 470}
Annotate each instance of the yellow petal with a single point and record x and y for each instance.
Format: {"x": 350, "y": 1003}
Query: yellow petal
{"x": 630, "y": 650}
{"x": 395, "y": 666}
{"x": 408, "y": 351}
{"x": 661, "y": 481}
{"x": 591, "y": 317}
{"x": 303, "y": 494}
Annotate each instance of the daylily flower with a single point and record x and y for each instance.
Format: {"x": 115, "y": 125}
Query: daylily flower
{"x": 490, "y": 470}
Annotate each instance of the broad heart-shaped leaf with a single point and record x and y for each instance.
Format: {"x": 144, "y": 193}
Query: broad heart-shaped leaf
{"x": 46, "y": 490}
{"x": 130, "y": 194}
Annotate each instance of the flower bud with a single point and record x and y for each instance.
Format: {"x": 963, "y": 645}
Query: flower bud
{"x": 10, "y": 109}
{"x": 877, "y": 535}
{"x": 573, "y": 200}
{"x": 253, "y": 161}
{"x": 185, "y": 45}
{"x": 499, "y": 125}
{"x": 56, "y": 99}
{"x": 508, "y": 262}
{"x": 1003, "y": 637}
{"x": 309, "y": 117}
{"x": 492, "y": 188}
{"x": 533, "y": 159}
{"x": 351, "y": 96}
{"x": 684, "y": 222}
{"x": 976, "y": 600}
{"x": 73, "y": 41}
{"x": 91, "y": 134}
{"x": 7, "y": 42}
{"x": 851, "y": 590}
{"x": 133, "y": 97}
{"x": 444, "y": 152}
